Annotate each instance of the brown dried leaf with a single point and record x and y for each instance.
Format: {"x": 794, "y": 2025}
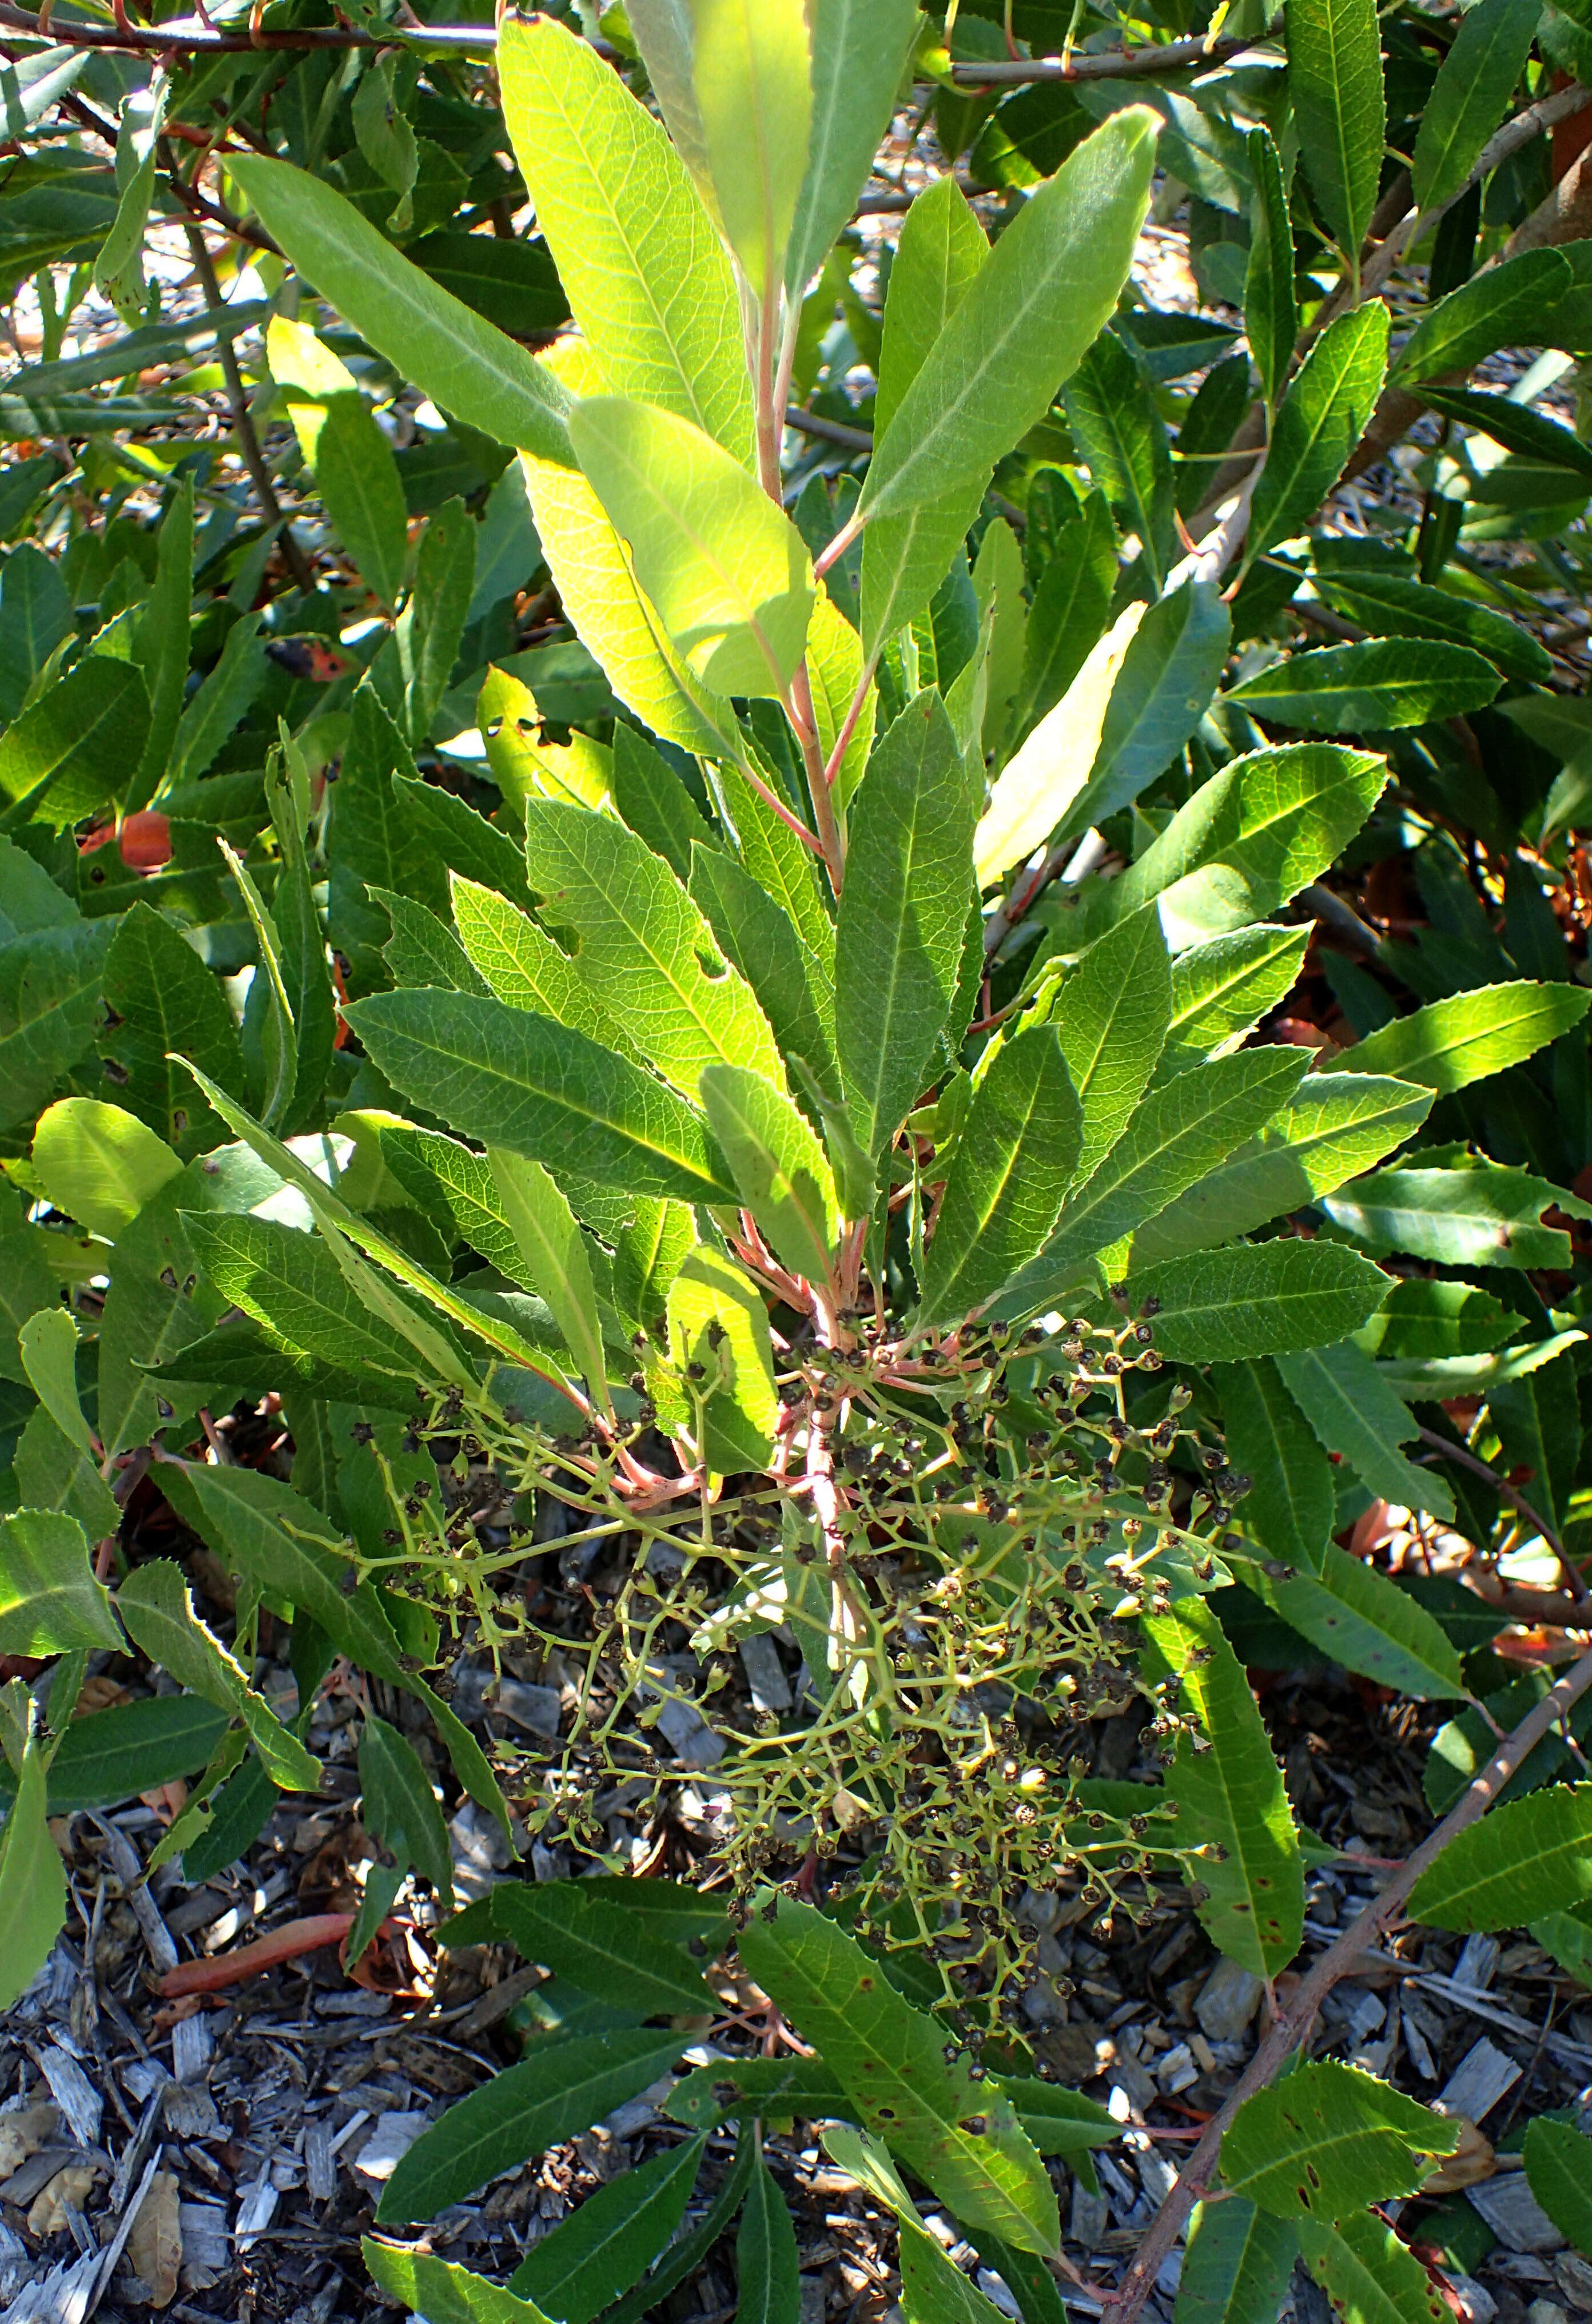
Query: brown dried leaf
{"x": 1470, "y": 2163}
{"x": 67, "y": 2191}
{"x": 23, "y": 2132}
{"x": 154, "y": 2245}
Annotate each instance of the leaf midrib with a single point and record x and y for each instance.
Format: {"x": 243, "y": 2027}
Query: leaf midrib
{"x": 499, "y": 1076}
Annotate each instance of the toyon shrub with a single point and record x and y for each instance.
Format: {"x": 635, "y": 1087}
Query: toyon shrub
{"x": 698, "y": 982}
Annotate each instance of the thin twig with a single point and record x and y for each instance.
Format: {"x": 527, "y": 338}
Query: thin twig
{"x": 1292, "y": 2024}
{"x": 1110, "y": 64}
{"x": 1517, "y": 1502}
{"x": 829, "y": 431}
{"x": 243, "y": 420}
{"x": 191, "y": 36}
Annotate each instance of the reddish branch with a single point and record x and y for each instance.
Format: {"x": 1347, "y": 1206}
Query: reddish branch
{"x": 283, "y": 1944}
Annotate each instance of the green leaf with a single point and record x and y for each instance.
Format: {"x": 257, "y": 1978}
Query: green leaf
{"x": 1068, "y": 612}
{"x": 158, "y": 1612}
{"x": 719, "y": 1326}
{"x": 903, "y": 916}
{"x": 1122, "y": 438}
{"x": 53, "y": 1472}
{"x": 607, "y": 2242}
{"x": 1469, "y": 96}
{"x": 905, "y": 557}
{"x": 753, "y": 81}
{"x": 1112, "y": 1014}
{"x": 794, "y": 986}
{"x": 1172, "y": 668}
{"x": 1482, "y": 1217}
{"x": 1327, "y": 2139}
{"x": 1015, "y": 1157}
{"x": 462, "y": 362}
{"x": 1502, "y": 308}
{"x": 860, "y": 51}
{"x": 1520, "y": 429}
{"x": 653, "y": 801}
{"x": 1455, "y": 1042}
{"x": 69, "y": 752}
{"x": 780, "y": 1169}
{"x": 1231, "y": 1794}
{"x": 1385, "y": 602}
{"x": 725, "y": 565}
{"x": 1367, "y": 2274}
{"x": 594, "y": 1934}
{"x": 1178, "y": 1133}
{"x": 32, "y": 1883}
{"x": 1248, "y": 840}
{"x": 1383, "y": 683}
{"x": 49, "y": 1600}
{"x": 1289, "y": 1510}
{"x": 35, "y": 616}
{"x": 432, "y": 622}
{"x": 358, "y": 479}
{"x": 520, "y": 965}
{"x": 385, "y": 136}
{"x": 888, "y": 2057}
{"x": 1261, "y": 1299}
{"x": 271, "y": 1065}
{"x": 1222, "y": 990}
{"x": 1538, "y": 1419}
{"x": 1236, "y": 2265}
{"x": 620, "y": 627}
{"x": 1558, "y": 2166}
{"x": 111, "y": 1755}
{"x": 1568, "y": 1938}
{"x": 1048, "y": 286}
{"x": 401, "y": 1808}
{"x": 1357, "y": 1414}
{"x": 1324, "y": 415}
{"x": 161, "y": 643}
{"x": 685, "y": 2256}
{"x": 1426, "y": 1319}
{"x": 1040, "y": 785}
{"x": 1528, "y": 1857}
{"x": 554, "y": 1258}
{"x": 1271, "y": 303}
{"x": 1361, "y": 1619}
{"x": 644, "y": 272}
{"x": 512, "y": 1079}
{"x": 99, "y": 1163}
{"x": 552, "y": 2096}
{"x": 48, "y": 1344}
{"x": 292, "y": 1284}
{"x": 933, "y": 2289}
{"x": 223, "y": 698}
{"x": 442, "y": 2292}
{"x": 1335, "y": 81}
{"x": 766, "y": 2265}
{"x": 641, "y": 948}
{"x": 264, "y": 1530}
{"x": 777, "y": 860}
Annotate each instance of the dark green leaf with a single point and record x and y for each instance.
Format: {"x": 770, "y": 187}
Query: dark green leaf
{"x": 1324, "y": 413}
{"x": 604, "y": 2246}
{"x": 1327, "y": 2139}
{"x": 597, "y": 1939}
{"x": 550, "y": 2096}
{"x": 1385, "y": 683}
{"x": 1503, "y": 307}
